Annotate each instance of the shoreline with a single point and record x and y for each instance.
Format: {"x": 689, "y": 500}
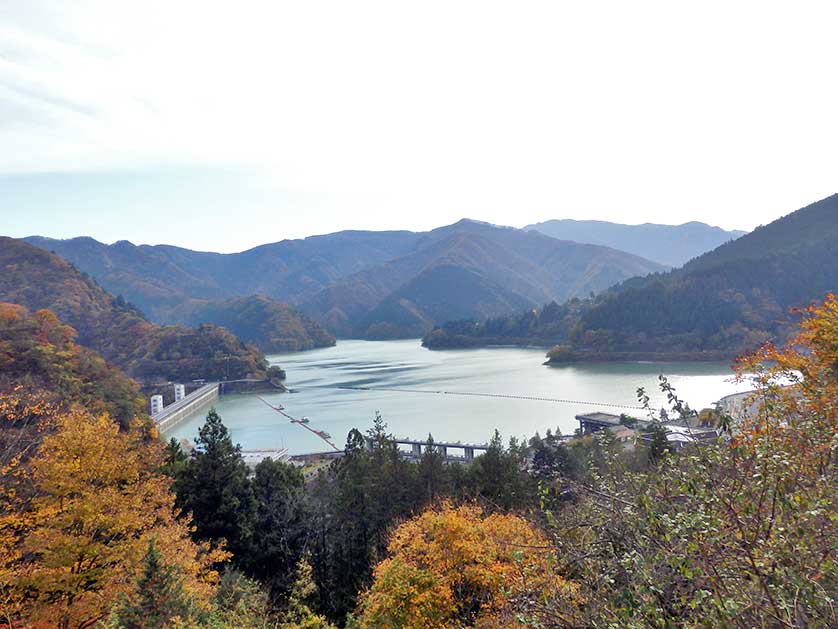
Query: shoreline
{"x": 582, "y": 356}
{"x": 708, "y": 356}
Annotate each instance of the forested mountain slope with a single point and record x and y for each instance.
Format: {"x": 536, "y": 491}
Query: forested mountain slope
{"x": 269, "y": 324}
{"x": 730, "y": 298}
{"x": 468, "y": 269}
{"x": 37, "y": 279}
{"x": 720, "y": 304}
{"x": 39, "y": 355}
{"x": 672, "y": 245}
{"x": 368, "y": 284}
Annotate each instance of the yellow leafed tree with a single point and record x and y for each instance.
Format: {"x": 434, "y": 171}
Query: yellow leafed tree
{"x": 96, "y": 500}
{"x": 22, "y": 420}
{"x": 459, "y": 567}
{"x": 797, "y": 391}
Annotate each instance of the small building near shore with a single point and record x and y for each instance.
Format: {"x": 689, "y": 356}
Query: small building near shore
{"x": 594, "y": 422}
{"x": 625, "y": 435}
{"x": 679, "y": 435}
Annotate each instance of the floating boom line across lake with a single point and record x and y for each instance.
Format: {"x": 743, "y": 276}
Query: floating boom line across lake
{"x": 319, "y": 433}
{"x": 508, "y": 396}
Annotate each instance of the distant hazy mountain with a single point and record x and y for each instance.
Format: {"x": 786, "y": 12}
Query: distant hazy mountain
{"x": 368, "y": 284}
{"x": 722, "y": 303}
{"x": 672, "y": 245}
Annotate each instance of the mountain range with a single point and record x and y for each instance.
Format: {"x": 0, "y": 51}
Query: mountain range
{"x": 468, "y": 269}
{"x": 670, "y": 245}
{"x": 357, "y": 283}
{"x": 718, "y": 305}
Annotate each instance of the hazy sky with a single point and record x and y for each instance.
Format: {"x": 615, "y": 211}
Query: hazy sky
{"x": 220, "y": 125}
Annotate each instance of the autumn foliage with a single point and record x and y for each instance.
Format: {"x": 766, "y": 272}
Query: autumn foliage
{"x": 797, "y": 390}
{"x": 457, "y": 566}
{"x": 39, "y": 355}
{"x": 741, "y": 534}
{"x": 108, "y": 325}
{"x": 77, "y": 520}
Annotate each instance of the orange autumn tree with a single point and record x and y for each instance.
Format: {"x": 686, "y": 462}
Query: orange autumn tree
{"x": 95, "y": 499}
{"x": 796, "y": 396}
{"x": 456, "y": 566}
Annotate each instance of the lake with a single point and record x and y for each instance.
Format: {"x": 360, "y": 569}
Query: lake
{"x": 429, "y": 400}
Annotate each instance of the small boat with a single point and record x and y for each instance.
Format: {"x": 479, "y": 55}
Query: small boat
{"x": 279, "y": 407}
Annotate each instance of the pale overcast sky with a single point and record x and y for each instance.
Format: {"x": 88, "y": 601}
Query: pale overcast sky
{"x": 222, "y": 125}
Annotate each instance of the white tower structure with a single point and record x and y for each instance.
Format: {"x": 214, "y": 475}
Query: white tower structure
{"x": 156, "y": 404}
{"x": 180, "y": 392}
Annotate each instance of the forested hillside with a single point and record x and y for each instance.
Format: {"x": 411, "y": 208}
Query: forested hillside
{"x": 547, "y": 326}
{"x": 270, "y": 325}
{"x": 37, "y": 279}
{"x": 437, "y": 294}
{"x": 719, "y": 305}
{"x": 360, "y": 284}
{"x": 730, "y": 299}
{"x": 672, "y": 245}
{"x": 38, "y": 354}
{"x": 469, "y": 269}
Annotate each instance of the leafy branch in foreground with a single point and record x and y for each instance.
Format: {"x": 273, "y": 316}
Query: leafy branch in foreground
{"x": 740, "y": 534}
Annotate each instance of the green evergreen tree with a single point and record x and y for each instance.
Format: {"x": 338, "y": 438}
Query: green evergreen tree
{"x": 497, "y": 475}
{"x": 459, "y": 481}
{"x": 299, "y": 613}
{"x": 433, "y": 479}
{"x": 366, "y": 490}
{"x": 214, "y": 486}
{"x": 175, "y": 459}
{"x": 279, "y": 530}
{"x": 158, "y": 596}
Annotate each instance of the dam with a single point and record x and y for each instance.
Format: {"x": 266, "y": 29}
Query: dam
{"x": 167, "y": 417}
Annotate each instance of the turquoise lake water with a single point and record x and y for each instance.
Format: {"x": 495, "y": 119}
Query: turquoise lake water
{"x": 316, "y": 376}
